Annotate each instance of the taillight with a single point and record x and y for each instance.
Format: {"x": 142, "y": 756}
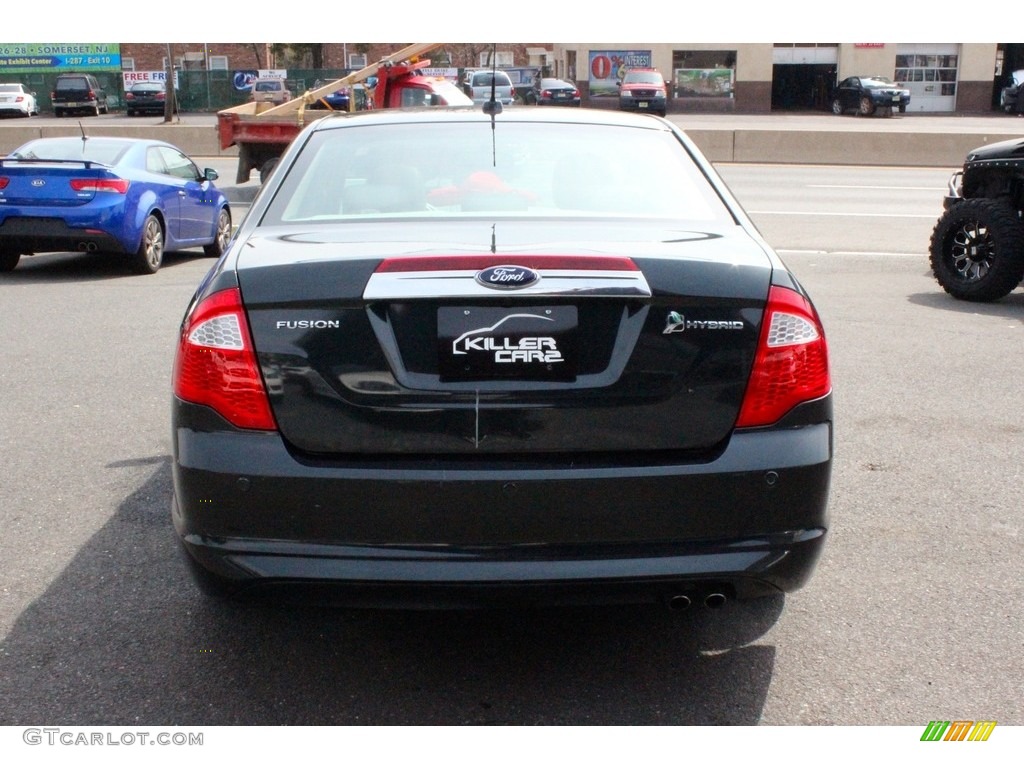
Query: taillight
{"x": 118, "y": 186}
{"x": 791, "y": 362}
{"x": 513, "y": 91}
{"x": 129, "y": 96}
{"x": 461, "y": 263}
{"x": 4, "y": 181}
{"x": 216, "y": 365}
{"x": 91, "y": 96}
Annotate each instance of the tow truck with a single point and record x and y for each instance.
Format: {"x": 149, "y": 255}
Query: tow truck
{"x": 262, "y": 135}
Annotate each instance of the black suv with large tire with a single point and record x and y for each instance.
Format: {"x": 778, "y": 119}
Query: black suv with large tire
{"x": 977, "y": 246}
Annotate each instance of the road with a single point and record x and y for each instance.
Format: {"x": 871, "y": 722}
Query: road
{"x": 914, "y": 613}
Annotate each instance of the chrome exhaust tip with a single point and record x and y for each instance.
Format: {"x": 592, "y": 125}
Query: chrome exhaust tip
{"x": 679, "y": 602}
{"x": 715, "y": 600}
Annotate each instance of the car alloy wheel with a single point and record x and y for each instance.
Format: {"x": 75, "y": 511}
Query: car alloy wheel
{"x": 977, "y": 250}
{"x": 837, "y": 107}
{"x": 867, "y": 106}
{"x": 150, "y": 255}
{"x": 220, "y": 241}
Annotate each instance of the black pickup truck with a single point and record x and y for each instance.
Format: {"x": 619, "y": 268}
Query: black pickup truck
{"x": 977, "y": 246}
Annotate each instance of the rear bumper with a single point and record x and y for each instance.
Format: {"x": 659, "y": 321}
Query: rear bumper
{"x": 41, "y": 234}
{"x": 751, "y": 522}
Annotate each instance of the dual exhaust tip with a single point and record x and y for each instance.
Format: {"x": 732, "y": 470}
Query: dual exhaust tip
{"x": 683, "y": 601}
{"x": 88, "y": 247}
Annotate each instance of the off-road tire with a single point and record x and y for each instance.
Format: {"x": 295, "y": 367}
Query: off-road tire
{"x": 223, "y": 235}
{"x": 150, "y": 255}
{"x": 977, "y": 249}
{"x": 9, "y": 260}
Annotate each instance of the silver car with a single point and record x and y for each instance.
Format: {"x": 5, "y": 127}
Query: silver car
{"x": 479, "y": 86}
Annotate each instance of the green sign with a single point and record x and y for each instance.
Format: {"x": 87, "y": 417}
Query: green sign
{"x": 36, "y": 57}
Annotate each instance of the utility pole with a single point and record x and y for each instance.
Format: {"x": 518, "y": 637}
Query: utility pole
{"x": 170, "y": 105}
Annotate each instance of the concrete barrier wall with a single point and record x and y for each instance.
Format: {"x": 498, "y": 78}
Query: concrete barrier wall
{"x": 933, "y": 150}
{"x": 721, "y": 145}
{"x": 198, "y": 141}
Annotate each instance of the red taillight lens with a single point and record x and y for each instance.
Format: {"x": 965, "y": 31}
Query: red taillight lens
{"x": 513, "y": 89}
{"x": 791, "y": 363}
{"x": 4, "y": 181}
{"x": 216, "y": 365}
{"x": 458, "y": 263}
{"x": 129, "y": 96}
{"x": 119, "y": 186}
{"x": 160, "y": 95}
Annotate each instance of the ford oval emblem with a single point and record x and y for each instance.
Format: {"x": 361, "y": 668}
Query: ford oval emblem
{"x": 507, "y": 277}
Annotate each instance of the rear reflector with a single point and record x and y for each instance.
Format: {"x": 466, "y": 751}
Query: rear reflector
{"x": 119, "y": 186}
{"x": 216, "y": 366}
{"x": 791, "y": 363}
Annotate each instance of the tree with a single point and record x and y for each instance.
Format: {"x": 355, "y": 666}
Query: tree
{"x": 302, "y": 55}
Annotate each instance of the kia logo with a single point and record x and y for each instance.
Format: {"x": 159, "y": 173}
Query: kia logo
{"x": 507, "y": 276}
{"x": 38, "y": 182}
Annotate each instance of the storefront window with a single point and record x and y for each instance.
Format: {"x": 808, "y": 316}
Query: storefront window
{"x": 703, "y": 74}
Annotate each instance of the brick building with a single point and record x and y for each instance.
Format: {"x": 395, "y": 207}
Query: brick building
{"x": 332, "y": 56}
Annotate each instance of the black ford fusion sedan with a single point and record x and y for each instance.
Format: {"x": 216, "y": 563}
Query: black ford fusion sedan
{"x": 453, "y": 359}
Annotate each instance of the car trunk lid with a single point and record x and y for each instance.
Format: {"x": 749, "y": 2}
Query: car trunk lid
{"x": 407, "y": 348}
{"x": 55, "y": 182}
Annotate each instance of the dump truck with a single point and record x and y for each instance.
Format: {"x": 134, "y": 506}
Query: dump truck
{"x": 261, "y": 135}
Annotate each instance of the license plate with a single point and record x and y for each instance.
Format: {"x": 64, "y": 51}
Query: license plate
{"x": 895, "y": 99}
{"x": 535, "y": 343}
{"x": 642, "y": 104}
{"x": 72, "y": 104}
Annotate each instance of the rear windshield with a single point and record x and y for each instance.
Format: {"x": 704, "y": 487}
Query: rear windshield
{"x": 268, "y": 86}
{"x": 99, "y": 151}
{"x": 72, "y": 84}
{"x": 10, "y": 88}
{"x": 447, "y": 169}
{"x": 486, "y": 78}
